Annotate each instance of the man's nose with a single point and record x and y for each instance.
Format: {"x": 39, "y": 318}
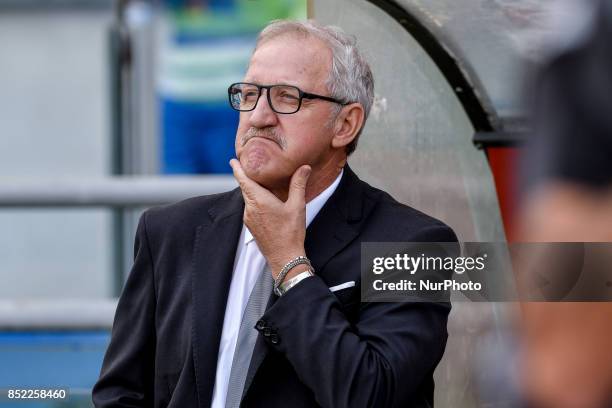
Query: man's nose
{"x": 263, "y": 115}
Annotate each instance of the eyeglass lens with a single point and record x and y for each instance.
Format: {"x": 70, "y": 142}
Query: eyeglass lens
{"x": 284, "y": 98}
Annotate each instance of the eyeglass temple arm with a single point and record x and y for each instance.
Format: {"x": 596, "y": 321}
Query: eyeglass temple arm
{"x": 325, "y": 98}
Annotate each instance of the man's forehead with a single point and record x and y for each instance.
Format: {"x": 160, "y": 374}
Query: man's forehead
{"x": 291, "y": 61}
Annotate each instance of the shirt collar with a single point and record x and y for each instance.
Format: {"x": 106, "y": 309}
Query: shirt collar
{"x": 312, "y": 207}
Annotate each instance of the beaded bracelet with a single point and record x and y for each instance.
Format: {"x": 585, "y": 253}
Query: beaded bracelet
{"x": 300, "y": 260}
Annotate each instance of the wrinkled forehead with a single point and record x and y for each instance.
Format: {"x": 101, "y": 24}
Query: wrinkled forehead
{"x": 291, "y": 59}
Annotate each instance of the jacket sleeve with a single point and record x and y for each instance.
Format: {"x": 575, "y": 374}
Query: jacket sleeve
{"x": 127, "y": 374}
{"x": 379, "y": 361}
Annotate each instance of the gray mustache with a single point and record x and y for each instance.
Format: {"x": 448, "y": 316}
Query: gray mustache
{"x": 268, "y": 133}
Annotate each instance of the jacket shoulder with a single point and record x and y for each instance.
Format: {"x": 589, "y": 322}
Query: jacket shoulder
{"x": 183, "y": 215}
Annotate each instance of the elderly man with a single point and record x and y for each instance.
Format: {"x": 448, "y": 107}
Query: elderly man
{"x": 251, "y": 298}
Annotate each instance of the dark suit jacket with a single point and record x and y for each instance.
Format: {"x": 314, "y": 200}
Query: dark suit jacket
{"x": 330, "y": 350}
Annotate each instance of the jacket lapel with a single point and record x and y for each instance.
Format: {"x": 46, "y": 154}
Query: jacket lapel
{"x": 334, "y": 227}
{"x": 337, "y": 224}
{"x": 213, "y": 259}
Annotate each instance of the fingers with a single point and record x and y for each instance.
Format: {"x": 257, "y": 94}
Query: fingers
{"x": 239, "y": 174}
{"x": 247, "y": 185}
{"x": 251, "y": 190}
{"x": 297, "y": 186}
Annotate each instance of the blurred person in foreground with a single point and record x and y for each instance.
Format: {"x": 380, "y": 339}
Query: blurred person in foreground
{"x": 185, "y": 334}
{"x": 568, "y": 346}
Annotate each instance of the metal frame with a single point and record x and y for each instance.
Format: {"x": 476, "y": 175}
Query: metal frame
{"x": 57, "y": 314}
{"x": 488, "y": 128}
{"x": 499, "y": 139}
{"x": 131, "y": 57}
{"x": 117, "y": 192}
{"x": 477, "y": 107}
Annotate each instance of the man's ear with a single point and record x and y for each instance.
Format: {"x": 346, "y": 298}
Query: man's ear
{"x": 347, "y": 124}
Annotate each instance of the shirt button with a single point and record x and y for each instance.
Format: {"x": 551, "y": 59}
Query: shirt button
{"x": 267, "y": 331}
{"x": 274, "y": 338}
{"x": 261, "y": 324}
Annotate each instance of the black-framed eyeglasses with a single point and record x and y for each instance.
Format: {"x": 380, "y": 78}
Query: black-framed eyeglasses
{"x": 285, "y": 99}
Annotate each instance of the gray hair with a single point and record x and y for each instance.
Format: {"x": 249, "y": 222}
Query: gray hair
{"x": 350, "y": 78}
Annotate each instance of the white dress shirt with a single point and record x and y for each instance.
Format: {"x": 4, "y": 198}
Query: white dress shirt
{"x": 249, "y": 263}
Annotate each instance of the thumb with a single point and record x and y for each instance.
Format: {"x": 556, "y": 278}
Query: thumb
{"x": 297, "y": 188}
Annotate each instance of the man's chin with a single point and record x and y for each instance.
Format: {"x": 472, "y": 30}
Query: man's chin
{"x": 255, "y": 170}
{"x": 265, "y": 176}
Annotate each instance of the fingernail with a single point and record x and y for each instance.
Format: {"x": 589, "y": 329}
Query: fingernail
{"x": 306, "y": 171}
